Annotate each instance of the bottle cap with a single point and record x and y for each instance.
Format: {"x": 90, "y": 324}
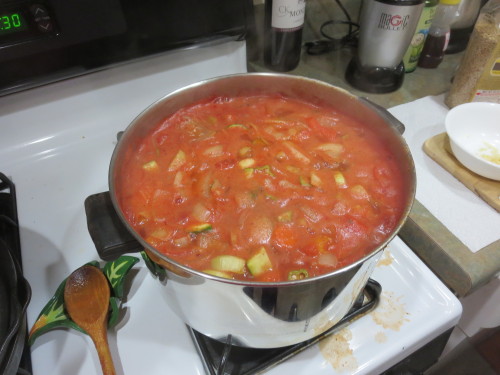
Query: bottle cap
{"x": 449, "y": 2}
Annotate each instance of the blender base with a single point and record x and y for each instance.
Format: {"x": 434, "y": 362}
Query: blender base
{"x": 374, "y": 79}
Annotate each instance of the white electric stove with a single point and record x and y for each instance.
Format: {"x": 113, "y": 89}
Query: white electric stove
{"x": 56, "y": 142}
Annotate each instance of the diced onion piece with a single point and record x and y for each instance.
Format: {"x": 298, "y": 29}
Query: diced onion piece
{"x": 259, "y": 262}
{"x": 150, "y": 165}
{"x": 161, "y": 234}
{"x": 269, "y": 185}
{"x": 339, "y": 179}
{"x": 216, "y": 188}
{"x": 178, "y": 161}
{"x": 245, "y": 199}
{"x": 359, "y": 192}
{"x": 275, "y": 133}
{"x": 311, "y": 215}
{"x": 181, "y": 242}
{"x": 178, "y": 179}
{"x": 334, "y": 150}
{"x": 287, "y": 185}
{"x": 339, "y": 209}
{"x": 214, "y": 151}
{"x": 316, "y": 180}
{"x": 246, "y": 163}
{"x": 328, "y": 259}
{"x": 201, "y": 213}
{"x": 204, "y": 184}
{"x": 228, "y": 263}
{"x": 296, "y": 153}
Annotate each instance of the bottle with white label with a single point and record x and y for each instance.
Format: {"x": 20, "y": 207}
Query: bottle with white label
{"x": 284, "y": 21}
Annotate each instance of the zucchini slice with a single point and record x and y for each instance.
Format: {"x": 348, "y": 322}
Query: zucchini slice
{"x": 228, "y": 263}
{"x": 259, "y": 262}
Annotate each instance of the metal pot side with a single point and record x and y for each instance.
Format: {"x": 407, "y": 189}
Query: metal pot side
{"x": 272, "y": 316}
{"x": 263, "y": 315}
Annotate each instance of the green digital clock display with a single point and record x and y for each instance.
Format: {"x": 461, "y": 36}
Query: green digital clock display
{"x": 11, "y": 23}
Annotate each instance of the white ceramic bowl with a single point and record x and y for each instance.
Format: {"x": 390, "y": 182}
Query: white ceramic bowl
{"x": 474, "y": 132}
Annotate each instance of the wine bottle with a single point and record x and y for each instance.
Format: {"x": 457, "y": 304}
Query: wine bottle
{"x": 284, "y": 20}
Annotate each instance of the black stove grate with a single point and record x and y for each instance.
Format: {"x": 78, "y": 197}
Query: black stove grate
{"x": 15, "y": 291}
{"x": 225, "y": 359}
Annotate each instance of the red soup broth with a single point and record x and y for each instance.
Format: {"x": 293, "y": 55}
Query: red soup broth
{"x": 262, "y": 188}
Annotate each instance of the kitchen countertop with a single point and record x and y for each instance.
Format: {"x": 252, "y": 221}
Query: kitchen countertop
{"x": 460, "y": 269}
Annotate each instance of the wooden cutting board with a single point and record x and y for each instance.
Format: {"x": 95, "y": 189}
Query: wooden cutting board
{"x": 438, "y": 148}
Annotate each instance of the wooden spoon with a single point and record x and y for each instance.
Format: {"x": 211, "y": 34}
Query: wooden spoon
{"x": 86, "y": 296}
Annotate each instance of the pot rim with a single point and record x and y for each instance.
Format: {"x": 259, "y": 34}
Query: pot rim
{"x": 379, "y": 111}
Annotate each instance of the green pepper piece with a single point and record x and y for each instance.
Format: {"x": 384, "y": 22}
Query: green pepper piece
{"x": 199, "y": 228}
{"x": 298, "y": 274}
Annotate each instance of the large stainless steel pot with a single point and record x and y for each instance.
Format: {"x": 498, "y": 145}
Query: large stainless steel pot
{"x": 264, "y": 315}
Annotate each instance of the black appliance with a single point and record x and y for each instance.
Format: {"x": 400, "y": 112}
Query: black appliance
{"x": 42, "y": 41}
{"x": 15, "y": 291}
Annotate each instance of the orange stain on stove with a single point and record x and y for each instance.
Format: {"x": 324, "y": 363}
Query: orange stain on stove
{"x": 390, "y": 312}
{"x": 336, "y": 350}
{"x": 386, "y": 259}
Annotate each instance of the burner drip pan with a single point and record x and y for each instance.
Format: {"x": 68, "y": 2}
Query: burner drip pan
{"x": 221, "y": 358}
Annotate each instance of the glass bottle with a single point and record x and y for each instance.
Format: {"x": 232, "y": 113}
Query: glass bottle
{"x": 439, "y": 34}
{"x": 462, "y": 25}
{"x": 412, "y": 55}
{"x": 283, "y": 22}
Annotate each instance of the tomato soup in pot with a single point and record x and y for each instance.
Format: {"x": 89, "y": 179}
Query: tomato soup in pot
{"x": 262, "y": 188}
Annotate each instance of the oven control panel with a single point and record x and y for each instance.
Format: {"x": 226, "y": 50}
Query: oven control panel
{"x": 25, "y": 22}
{"x": 42, "y": 41}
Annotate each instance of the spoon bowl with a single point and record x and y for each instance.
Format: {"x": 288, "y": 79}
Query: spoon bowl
{"x": 86, "y": 296}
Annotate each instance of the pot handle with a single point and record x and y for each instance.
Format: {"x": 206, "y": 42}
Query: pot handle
{"x": 110, "y": 236}
{"x": 385, "y": 114}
